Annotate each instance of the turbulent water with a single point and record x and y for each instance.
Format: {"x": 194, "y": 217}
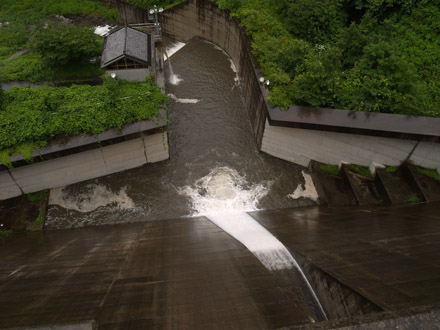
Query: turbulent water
{"x": 210, "y": 139}
{"x": 224, "y": 196}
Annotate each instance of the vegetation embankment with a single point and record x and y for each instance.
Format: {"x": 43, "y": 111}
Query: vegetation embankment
{"x": 30, "y": 117}
{"x": 363, "y": 55}
{"x": 366, "y": 55}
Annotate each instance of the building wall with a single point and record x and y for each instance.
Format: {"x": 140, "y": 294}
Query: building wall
{"x": 83, "y": 166}
{"x": 130, "y": 74}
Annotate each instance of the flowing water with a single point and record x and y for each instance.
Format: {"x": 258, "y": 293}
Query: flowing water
{"x": 223, "y": 196}
{"x": 214, "y": 170}
{"x": 209, "y": 135}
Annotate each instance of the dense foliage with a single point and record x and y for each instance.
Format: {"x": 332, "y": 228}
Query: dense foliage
{"x": 148, "y": 4}
{"x": 21, "y": 19}
{"x": 31, "y": 67}
{"x": 370, "y": 55}
{"x": 29, "y": 116}
{"x": 59, "y": 45}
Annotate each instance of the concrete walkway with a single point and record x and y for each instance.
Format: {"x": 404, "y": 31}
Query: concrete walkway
{"x": 189, "y": 274}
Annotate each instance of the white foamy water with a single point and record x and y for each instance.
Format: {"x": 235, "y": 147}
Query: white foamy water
{"x": 174, "y": 48}
{"x": 174, "y": 78}
{"x": 180, "y": 100}
{"x": 102, "y": 30}
{"x": 224, "y": 197}
{"x": 270, "y": 251}
{"x": 307, "y": 190}
{"x": 233, "y": 67}
{"x": 224, "y": 190}
{"x": 93, "y": 197}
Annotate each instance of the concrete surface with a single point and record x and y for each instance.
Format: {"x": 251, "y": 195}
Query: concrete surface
{"x": 189, "y": 274}
{"x": 130, "y": 74}
{"x": 302, "y": 145}
{"x": 85, "y": 165}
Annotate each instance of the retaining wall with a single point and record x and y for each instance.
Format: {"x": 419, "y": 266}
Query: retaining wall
{"x": 79, "y": 158}
{"x": 302, "y": 145}
{"x": 83, "y": 166}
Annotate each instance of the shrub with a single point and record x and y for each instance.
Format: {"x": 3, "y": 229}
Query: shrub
{"x": 59, "y": 45}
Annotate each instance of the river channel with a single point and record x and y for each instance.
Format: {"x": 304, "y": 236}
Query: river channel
{"x": 213, "y": 157}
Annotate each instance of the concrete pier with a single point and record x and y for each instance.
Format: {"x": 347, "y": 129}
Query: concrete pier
{"x": 189, "y": 274}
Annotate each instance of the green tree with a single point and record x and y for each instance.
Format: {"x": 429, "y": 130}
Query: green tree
{"x": 317, "y": 79}
{"x": 293, "y": 56}
{"x": 2, "y": 96}
{"x": 317, "y": 21}
{"x": 382, "y": 81}
{"x": 62, "y": 44}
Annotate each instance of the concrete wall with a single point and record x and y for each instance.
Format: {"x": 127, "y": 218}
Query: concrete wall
{"x": 85, "y": 165}
{"x": 427, "y": 155}
{"x": 302, "y": 145}
{"x": 129, "y": 13}
{"x": 130, "y": 74}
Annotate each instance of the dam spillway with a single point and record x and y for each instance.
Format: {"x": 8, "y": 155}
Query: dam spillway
{"x": 209, "y": 128}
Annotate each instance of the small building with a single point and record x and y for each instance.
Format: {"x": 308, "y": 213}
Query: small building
{"x": 128, "y": 53}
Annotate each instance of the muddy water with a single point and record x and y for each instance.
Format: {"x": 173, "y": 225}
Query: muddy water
{"x": 210, "y": 140}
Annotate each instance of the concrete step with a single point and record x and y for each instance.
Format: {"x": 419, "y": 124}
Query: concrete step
{"x": 398, "y": 187}
{"x": 428, "y": 186}
{"x": 332, "y": 188}
{"x": 366, "y": 189}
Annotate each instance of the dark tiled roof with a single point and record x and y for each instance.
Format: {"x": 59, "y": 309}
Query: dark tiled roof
{"x": 126, "y": 42}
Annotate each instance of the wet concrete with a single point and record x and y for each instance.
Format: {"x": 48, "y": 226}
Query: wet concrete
{"x": 333, "y": 189}
{"x": 387, "y": 254}
{"x": 397, "y": 187}
{"x": 428, "y": 187}
{"x": 187, "y": 273}
{"x": 366, "y": 190}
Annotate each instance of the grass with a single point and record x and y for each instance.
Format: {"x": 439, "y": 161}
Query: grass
{"x": 332, "y": 169}
{"x": 362, "y": 170}
{"x": 391, "y": 169}
{"x": 413, "y": 199}
{"x": 432, "y": 173}
{"x": 6, "y": 233}
{"x": 39, "y": 198}
{"x": 42, "y": 195}
{"x": 37, "y": 225}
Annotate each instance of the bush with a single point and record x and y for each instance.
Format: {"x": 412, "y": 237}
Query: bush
{"x": 318, "y": 21}
{"x": 59, "y": 45}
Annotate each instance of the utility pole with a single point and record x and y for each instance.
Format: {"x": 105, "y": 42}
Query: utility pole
{"x": 154, "y": 11}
